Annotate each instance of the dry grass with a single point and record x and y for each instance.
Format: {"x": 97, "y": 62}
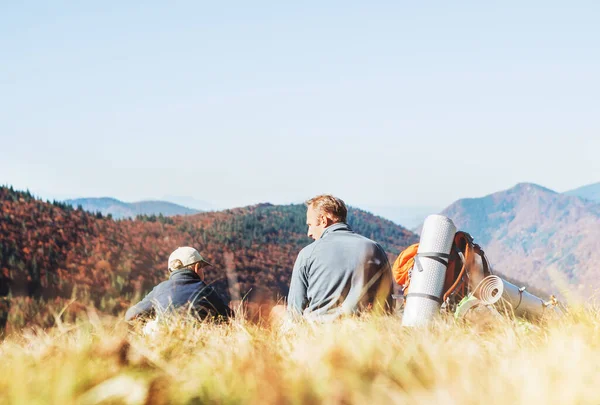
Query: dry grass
{"x": 370, "y": 360}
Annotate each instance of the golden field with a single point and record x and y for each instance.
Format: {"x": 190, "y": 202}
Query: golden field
{"x": 374, "y": 360}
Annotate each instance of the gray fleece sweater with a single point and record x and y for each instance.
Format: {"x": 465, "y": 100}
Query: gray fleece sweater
{"x": 340, "y": 273}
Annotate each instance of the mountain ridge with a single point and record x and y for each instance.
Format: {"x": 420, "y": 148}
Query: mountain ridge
{"x": 589, "y": 192}
{"x": 532, "y": 233}
{"x": 119, "y": 209}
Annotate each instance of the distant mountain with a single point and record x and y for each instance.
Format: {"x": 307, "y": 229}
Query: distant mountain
{"x": 590, "y": 192}
{"x": 119, "y": 209}
{"x": 53, "y": 249}
{"x": 536, "y": 235}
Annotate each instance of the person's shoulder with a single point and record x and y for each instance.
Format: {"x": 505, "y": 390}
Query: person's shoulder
{"x": 308, "y": 250}
{"x": 162, "y": 286}
{"x": 164, "y": 283}
{"x": 363, "y": 238}
{"x": 370, "y": 242}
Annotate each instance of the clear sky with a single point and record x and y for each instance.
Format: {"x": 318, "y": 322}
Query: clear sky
{"x": 381, "y": 103}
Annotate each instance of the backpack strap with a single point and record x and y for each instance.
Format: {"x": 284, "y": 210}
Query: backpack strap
{"x": 438, "y": 257}
{"x": 460, "y": 239}
{"x": 486, "y": 265}
{"x": 422, "y": 295}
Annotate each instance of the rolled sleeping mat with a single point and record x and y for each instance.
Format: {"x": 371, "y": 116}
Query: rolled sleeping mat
{"x": 522, "y": 303}
{"x": 489, "y": 290}
{"x": 424, "y": 298}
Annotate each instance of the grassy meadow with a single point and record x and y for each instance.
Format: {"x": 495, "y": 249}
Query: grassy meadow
{"x": 493, "y": 360}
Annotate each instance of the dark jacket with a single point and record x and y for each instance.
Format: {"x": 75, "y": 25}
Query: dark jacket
{"x": 340, "y": 273}
{"x": 184, "y": 290}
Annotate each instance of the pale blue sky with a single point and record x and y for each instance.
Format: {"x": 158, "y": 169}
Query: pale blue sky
{"x": 382, "y": 103}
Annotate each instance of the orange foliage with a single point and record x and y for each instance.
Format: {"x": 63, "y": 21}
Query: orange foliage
{"x": 50, "y": 249}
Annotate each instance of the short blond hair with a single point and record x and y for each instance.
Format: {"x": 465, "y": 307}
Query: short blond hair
{"x": 329, "y": 205}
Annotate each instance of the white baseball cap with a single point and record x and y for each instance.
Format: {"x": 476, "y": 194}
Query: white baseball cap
{"x": 183, "y": 257}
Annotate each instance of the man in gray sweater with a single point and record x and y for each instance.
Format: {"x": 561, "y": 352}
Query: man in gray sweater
{"x": 341, "y": 272}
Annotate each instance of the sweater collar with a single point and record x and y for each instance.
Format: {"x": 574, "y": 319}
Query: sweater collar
{"x": 183, "y": 273}
{"x": 340, "y": 226}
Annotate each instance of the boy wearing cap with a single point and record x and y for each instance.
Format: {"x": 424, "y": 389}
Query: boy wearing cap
{"x": 184, "y": 288}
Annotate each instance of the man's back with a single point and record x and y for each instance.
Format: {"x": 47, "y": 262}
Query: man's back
{"x": 184, "y": 289}
{"x": 340, "y": 273}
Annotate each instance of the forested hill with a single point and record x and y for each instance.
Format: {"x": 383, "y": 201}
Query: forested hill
{"x": 51, "y": 249}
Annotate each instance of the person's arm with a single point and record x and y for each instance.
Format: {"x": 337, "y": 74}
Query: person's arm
{"x": 387, "y": 283}
{"x": 210, "y": 303}
{"x": 297, "y": 300}
{"x": 144, "y": 307}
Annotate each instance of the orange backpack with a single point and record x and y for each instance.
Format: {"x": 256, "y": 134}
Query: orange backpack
{"x": 462, "y": 273}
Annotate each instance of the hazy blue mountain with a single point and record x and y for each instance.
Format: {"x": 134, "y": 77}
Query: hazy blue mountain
{"x": 536, "y": 235}
{"x": 119, "y": 209}
{"x": 590, "y": 192}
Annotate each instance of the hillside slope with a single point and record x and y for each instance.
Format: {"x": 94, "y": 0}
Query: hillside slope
{"x": 52, "y": 249}
{"x": 536, "y": 235}
{"x": 590, "y": 192}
